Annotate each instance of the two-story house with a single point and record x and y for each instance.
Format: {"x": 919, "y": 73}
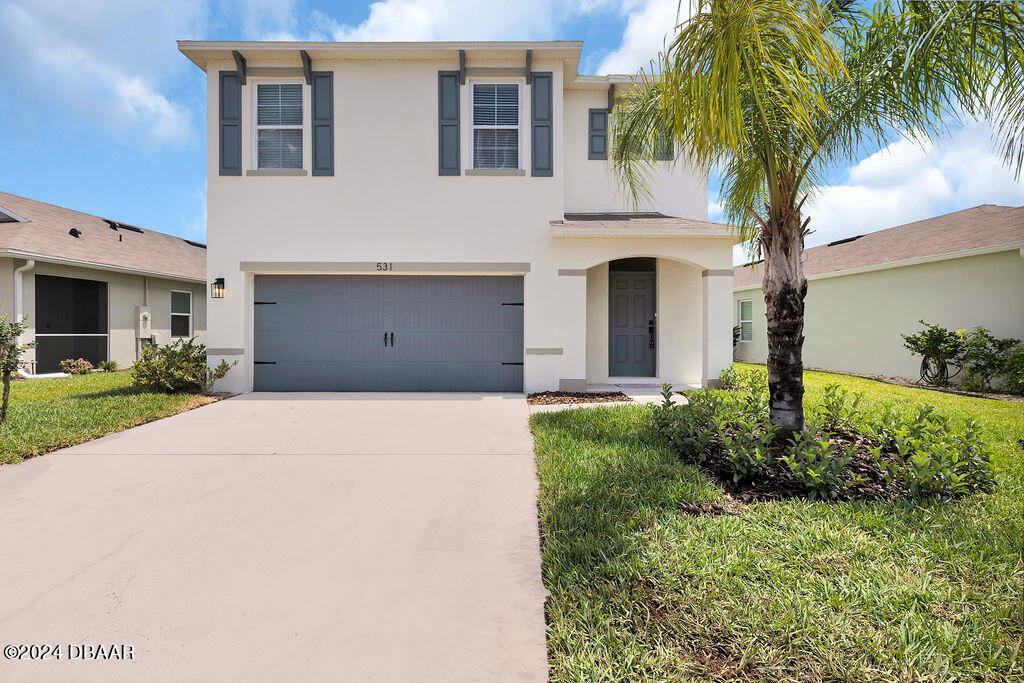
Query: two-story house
{"x": 443, "y": 216}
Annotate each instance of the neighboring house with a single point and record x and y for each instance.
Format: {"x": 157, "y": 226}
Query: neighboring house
{"x": 441, "y": 216}
{"x": 95, "y": 288}
{"x": 959, "y": 270}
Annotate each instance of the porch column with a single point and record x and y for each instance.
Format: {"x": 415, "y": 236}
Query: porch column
{"x": 555, "y": 330}
{"x": 717, "y": 341}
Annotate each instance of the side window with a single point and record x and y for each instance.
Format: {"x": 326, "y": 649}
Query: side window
{"x": 746, "y": 319}
{"x": 279, "y": 125}
{"x": 495, "y": 125}
{"x": 181, "y": 314}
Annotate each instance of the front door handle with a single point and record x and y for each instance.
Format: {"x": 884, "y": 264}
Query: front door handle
{"x": 650, "y": 333}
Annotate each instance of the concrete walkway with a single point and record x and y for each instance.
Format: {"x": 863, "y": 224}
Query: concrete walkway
{"x": 284, "y": 537}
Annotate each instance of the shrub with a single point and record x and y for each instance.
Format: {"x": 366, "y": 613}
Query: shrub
{"x": 730, "y": 379}
{"x": 11, "y": 352}
{"x": 108, "y": 366}
{"x": 838, "y": 408}
{"x": 931, "y": 455}
{"x": 923, "y": 453}
{"x": 177, "y": 367}
{"x": 1013, "y": 371}
{"x": 984, "y": 357}
{"x": 76, "y": 366}
{"x": 939, "y": 348}
{"x": 818, "y": 464}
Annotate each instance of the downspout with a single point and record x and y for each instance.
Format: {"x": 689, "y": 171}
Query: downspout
{"x": 19, "y": 306}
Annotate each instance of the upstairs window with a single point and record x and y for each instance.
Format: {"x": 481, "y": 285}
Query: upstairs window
{"x": 496, "y": 125}
{"x": 746, "y": 319}
{"x": 279, "y": 125}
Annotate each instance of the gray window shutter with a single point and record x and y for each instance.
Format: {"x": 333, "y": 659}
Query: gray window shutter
{"x": 542, "y": 118}
{"x": 597, "y": 143}
{"x": 323, "y": 123}
{"x": 448, "y": 162}
{"x": 230, "y": 123}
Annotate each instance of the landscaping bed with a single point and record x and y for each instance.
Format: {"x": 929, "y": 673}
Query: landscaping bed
{"x": 656, "y": 573}
{"x": 546, "y": 398}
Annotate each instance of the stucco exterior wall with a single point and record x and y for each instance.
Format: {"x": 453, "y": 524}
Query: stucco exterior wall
{"x": 591, "y": 186}
{"x": 124, "y": 292}
{"x": 387, "y": 203}
{"x": 853, "y": 322}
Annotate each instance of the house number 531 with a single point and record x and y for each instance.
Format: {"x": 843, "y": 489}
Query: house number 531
{"x": 384, "y": 265}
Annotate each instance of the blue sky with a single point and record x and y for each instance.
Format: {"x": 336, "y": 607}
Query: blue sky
{"x": 99, "y": 112}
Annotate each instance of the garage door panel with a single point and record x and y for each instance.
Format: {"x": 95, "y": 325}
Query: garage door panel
{"x": 326, "y": 333}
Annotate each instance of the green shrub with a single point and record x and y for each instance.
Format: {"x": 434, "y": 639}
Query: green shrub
{"x": 939, "y": 348}
{"x": 931, "y": 455}
{"x": 730, "y": 379}
{"x": 177, "y": 367}
{"x": 1013, "y": 372}
{"x": 921, "y": 452}
{"x": 108, "y": 366}
{"x": 818, "y": 464}
{"x": 985, "y": 357}
{"x": 838, "y": 408}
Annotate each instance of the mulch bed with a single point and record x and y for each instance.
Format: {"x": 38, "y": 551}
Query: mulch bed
{"x": 865, "y": 479}
{"x": 547, "y": 398}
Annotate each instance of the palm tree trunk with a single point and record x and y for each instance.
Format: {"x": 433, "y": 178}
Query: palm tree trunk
{"x": 784, "y": 290}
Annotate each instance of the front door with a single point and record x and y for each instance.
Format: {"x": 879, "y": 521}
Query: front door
{"x": 631, "y": 331}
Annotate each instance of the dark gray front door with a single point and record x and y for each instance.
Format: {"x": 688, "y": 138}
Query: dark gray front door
{"x": 388, "y": 333}
{"x": 631, "y": 324}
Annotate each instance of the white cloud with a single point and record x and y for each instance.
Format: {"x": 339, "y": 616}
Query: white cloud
{"x": 907, "y": 181}
{"x": 105, "y": 60}
{"x": 645, "y": 36}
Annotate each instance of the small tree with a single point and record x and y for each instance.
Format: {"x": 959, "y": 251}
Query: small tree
{"x": 11, "y": 350}
{"x": 986, "y": 357}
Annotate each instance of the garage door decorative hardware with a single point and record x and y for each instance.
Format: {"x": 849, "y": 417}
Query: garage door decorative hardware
{"x": 506, "y": 303}
{"x": 392, "y": 340}
{"x": 265, "y": 303}
{"x": 264, "y": 362}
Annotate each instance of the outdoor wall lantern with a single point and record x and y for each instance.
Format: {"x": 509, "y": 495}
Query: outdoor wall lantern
{"x": 217, "y": 288}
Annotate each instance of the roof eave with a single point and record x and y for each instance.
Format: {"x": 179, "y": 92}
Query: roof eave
{"x": 46, "y": 258}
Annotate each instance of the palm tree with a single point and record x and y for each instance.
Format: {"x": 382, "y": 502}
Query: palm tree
{"x": 773, "y": 93}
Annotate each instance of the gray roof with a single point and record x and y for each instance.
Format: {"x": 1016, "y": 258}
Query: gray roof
{"x": 45, "y": 232}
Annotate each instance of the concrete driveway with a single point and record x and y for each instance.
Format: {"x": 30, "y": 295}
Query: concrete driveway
{"x": 382, "y": 537}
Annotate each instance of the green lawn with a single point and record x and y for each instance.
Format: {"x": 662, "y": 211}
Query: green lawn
{"x": 47, "y": 414}
{"x": 795, "y": 590}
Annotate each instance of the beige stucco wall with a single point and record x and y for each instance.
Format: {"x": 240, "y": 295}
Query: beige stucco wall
{"x": 124, "y": 292}
{"x": 679, "y": 325}
{"x": 387, "y": 203}
{"x": 853, "y": 322}
{"x": 591, "y": 186}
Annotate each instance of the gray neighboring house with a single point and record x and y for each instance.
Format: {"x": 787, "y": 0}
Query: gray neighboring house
{"x": 93, "y": 287}
{"x": 958, "y": 270}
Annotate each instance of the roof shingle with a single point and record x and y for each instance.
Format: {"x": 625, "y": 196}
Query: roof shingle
{"x": 45, "y": 232}
{"x": 987, "y": 225}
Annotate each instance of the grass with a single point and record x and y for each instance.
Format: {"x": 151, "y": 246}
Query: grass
{"x": 793, "y": 590}
{"x": 46, "y": 414}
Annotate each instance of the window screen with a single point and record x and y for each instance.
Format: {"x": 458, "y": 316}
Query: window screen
{"x": 279, "y": 125}
{"x": 70, "y": 321}
{"x": 496, "y": 125}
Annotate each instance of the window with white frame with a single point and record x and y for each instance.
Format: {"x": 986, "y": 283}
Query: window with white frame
{"x": 278, "y": 125}
{"x": 496, "y": 125}
{"x": 746, "y": 319}
{"x": 181, "y": 314}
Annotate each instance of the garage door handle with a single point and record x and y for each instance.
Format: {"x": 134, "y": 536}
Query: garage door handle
{"x": 385, "y": 339}
{"x": 392, "y": 340}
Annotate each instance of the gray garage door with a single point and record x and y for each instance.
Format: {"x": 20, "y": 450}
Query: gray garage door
{"x": 388, "y": 333}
